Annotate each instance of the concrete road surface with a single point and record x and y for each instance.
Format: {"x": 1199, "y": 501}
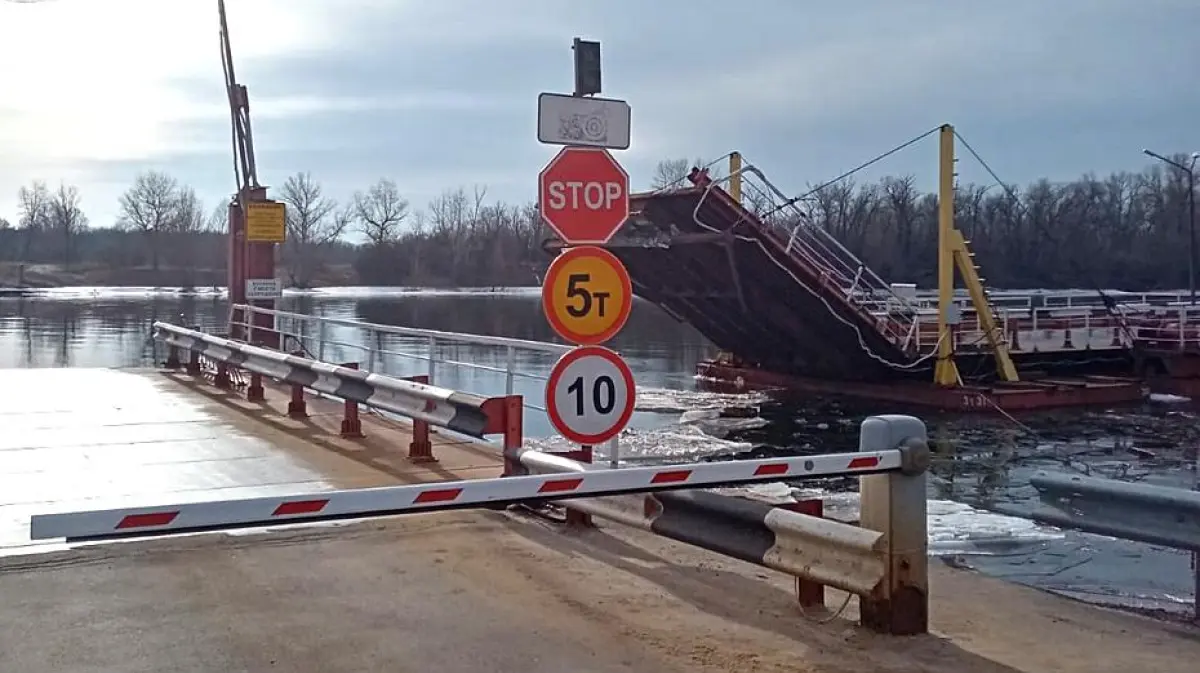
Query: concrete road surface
{"x": 497, "y": 593}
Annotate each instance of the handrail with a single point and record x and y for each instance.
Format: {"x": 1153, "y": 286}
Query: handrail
{"x": 435, "y": 337}
{"x": 458, "y": 337}
{"x": 464, "y": 413}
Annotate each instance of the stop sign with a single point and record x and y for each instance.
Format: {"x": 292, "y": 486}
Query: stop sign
{"x": 583, "y": 195}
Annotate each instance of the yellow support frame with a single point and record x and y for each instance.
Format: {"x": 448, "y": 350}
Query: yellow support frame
{"x": 735, "y": 176}
{"x": 952, "y": 252}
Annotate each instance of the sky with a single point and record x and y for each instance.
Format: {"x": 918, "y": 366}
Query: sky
{"x": 441, "y": 95}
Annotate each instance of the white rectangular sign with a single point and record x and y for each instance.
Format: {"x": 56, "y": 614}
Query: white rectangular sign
{"x": 263, "y": 288}
{"x": 580, "y": 120}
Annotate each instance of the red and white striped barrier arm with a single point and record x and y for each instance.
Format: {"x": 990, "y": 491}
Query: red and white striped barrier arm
{"x": 388, "y": 500}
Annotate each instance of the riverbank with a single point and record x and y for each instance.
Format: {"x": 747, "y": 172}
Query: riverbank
{"x": 42, "y": 276}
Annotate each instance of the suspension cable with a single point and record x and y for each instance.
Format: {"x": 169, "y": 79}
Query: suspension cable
{"x": 792, "y": 201}
{"x": 1108, "y": 302}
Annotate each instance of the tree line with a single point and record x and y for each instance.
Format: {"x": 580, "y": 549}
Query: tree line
{"x": 1127, "y": 230}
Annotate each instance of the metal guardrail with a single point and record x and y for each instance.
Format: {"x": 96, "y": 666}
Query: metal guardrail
{"x": 1158, "y": 515}
{"x": 464, "y": 413}
{"x": 315, "y": 335}
{"x": 834, "y": 554}
{"x": 1155, "y": 514}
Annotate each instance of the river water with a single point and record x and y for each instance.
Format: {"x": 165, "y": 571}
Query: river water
{"x": 981, "y": 463}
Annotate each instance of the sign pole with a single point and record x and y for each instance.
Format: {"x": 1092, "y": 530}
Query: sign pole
{"x": 587, "y": 295}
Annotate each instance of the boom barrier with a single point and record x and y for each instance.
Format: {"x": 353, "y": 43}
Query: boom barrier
{"x": 390, "y": 500}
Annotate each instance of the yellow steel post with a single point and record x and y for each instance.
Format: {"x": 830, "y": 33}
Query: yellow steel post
{"x": 735, "y": 176}
{"x": 945, "y": 373}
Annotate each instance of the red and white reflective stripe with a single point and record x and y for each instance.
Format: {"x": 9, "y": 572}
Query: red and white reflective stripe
{"x": 426, "y": 497}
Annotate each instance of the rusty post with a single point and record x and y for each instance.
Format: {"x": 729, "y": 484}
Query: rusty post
{"x": 894, "y": 504}
{"x": 297, "y": 406}
{"x": 222, "y": 379}
{"x": 420, "y": 450}
{"x": 351, "y": 425}
{"x": 193, "y": 365}
{"x": 255, "y": 392}
{"x": 173, "y": 358}
{"x": 574, "y": 516}
{"x": 514, "y": 408}
{"x": 808, "y": 593}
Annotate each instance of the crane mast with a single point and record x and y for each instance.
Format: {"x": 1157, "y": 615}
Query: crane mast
{"x": 256, "y": 223}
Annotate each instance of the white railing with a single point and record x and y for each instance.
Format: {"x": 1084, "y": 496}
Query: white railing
{"x": 836, "y": 268}
{"x": 326, "y": 339}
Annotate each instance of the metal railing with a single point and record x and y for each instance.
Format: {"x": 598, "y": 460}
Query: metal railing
{"x": 1158, "y": 515}
{"x": 836, "y": 268}
{"x": 321, "y": 337}
{"x": 460, "y": 412}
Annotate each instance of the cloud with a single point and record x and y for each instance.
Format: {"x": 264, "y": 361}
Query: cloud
{"x": 441, "y": 94}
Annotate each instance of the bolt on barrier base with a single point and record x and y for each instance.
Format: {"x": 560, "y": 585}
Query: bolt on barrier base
{"x": 894, "y": 504}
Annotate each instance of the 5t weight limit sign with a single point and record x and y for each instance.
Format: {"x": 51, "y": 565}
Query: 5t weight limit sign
{"x": 590, "y": 395}
{"x": 587, "y": 295}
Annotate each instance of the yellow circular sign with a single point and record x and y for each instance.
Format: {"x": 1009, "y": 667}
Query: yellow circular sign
{"x": 587, "y": 295}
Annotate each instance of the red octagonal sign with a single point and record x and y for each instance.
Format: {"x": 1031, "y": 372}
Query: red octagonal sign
{"x": 583, "y": 195}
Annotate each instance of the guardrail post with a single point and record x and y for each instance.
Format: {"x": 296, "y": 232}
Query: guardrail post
{"x": 576, "y": 517}
{"x": 894, "y": 503}
{"x": 193, "y": 365}
{"x": 351, "y": 425}
{"x": 808, "y": 593}
{"x": 255, "y": 392}
{"x": 421, "y": 448}
{"x": 173, "y": 358}
{"x": 222, "y": 379}
{"x": 297, "y": 406}
{"x": 514, "y": 411}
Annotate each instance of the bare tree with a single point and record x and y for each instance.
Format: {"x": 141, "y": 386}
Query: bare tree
{"x": 4, "y": 224}
{"x": 33, "y": 214}
{"x": 672, "y": 174}
{"x": 149, "y": 207}
{"x": 380, "y": 211}
{"x": 311, "y": 223}
{"x": 188, "y": 217}
{"x": 66, "y": 218}
{"x": 218, "y": 219}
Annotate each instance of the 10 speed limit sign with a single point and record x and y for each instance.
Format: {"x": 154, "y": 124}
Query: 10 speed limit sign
{"x": 590, "y": 395}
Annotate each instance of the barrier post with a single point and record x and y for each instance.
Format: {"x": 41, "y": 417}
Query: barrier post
{"x": 297, "y": 406}
{"x": 193, "y": 365}
{"x": 894, "y": 504}
{"x": 351, "y": 425}
{"x": 173, "y": 358}
{"x": 576, "y": 517}
{"x": 222, "y": 379}
{"x": 421, "y": 448}
{"x": 514, "y": 409}
{"x": 808, "y": 593}
{"x": 255, "y": 392}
